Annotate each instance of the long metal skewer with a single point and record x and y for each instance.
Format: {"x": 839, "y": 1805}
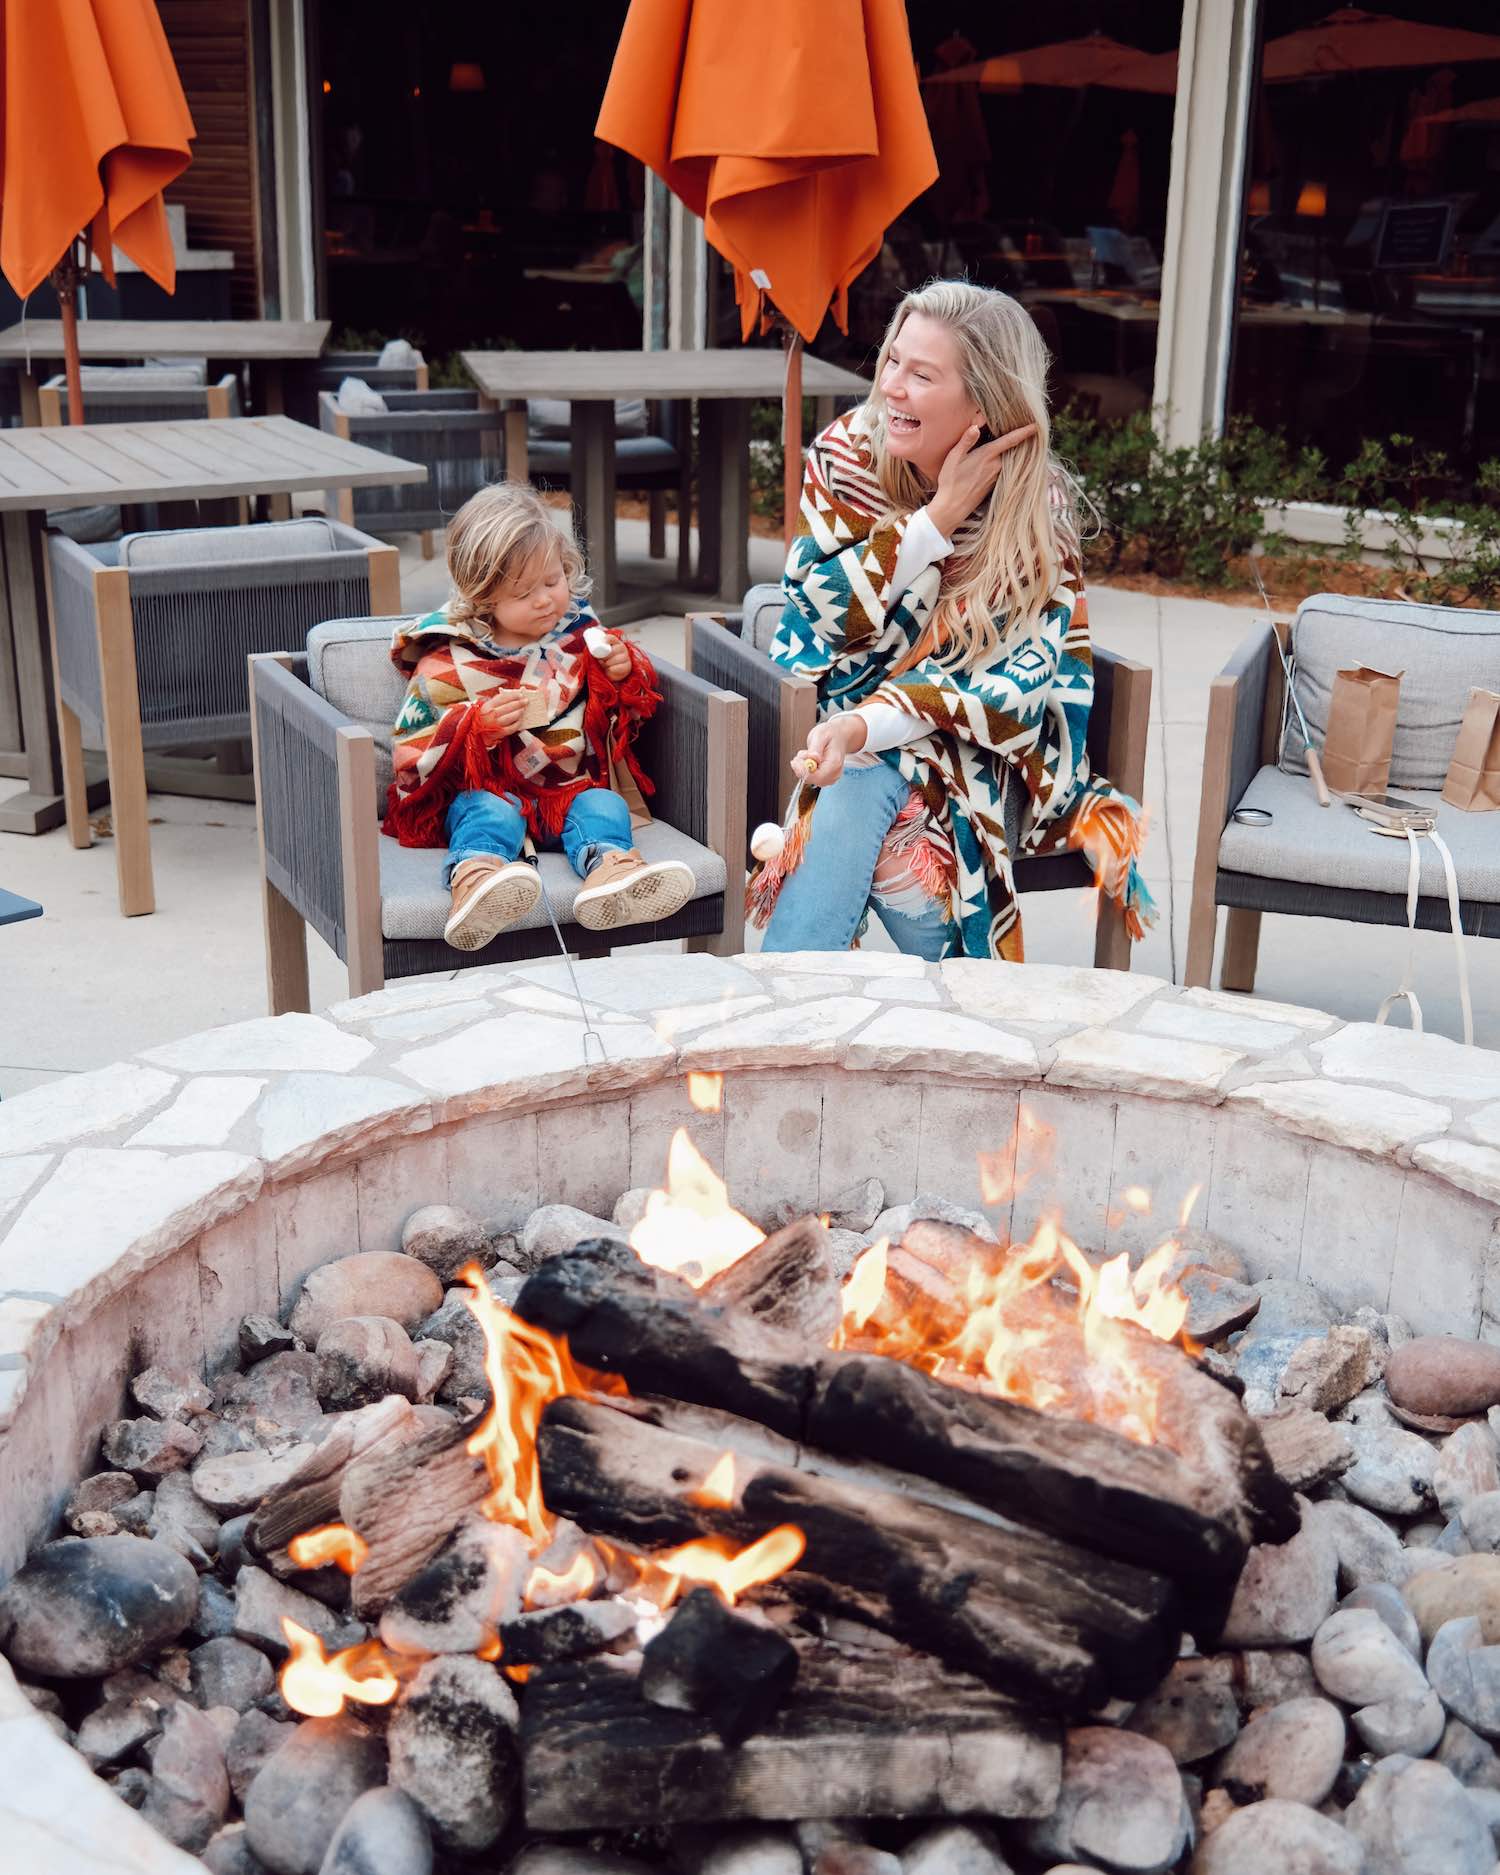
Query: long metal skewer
{"x": 1314, "y": 761}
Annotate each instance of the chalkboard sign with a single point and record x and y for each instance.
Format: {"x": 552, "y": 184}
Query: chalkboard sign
{"x": 1415, "y": 234}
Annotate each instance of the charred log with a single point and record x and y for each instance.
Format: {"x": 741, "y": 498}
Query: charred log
{"x": 787, "y": 1282}
{"x": 707, "y": 1659}
{"x": 405, "y": 1503}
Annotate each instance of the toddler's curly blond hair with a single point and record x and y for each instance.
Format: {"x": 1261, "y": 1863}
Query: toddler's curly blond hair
{"x": 496, "y": 536}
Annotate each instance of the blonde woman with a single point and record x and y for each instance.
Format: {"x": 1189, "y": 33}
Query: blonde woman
{"x": 934, "y": 592}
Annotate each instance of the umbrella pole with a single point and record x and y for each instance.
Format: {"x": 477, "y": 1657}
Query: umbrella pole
{"x": 65, "y": 277}
{"x": 791, "y": 435}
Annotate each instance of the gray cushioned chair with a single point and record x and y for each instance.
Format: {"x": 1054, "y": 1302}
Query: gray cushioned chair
{"x": 333, "y": 367}
{"x": 653, "y": 456}
{"x": 456, "y": 434}
{"x": 322, "y": 728}
{"x": 1325, "y": 862}
{"x": 142, "y": 394}
{"x": 731, "y": 649}
{"x": 150, "y": 638}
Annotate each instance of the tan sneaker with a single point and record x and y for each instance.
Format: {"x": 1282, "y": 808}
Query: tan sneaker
{"x": 489, "y": 895}
{"x": 623, "y": 889}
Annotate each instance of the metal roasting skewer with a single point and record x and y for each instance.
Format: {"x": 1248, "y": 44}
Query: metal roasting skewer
{"x": 1314, "y": 761}
{"x": 590, "y": 1033}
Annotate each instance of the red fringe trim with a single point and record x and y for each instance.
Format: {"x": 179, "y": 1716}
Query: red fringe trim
{"x": 767, "y": 879}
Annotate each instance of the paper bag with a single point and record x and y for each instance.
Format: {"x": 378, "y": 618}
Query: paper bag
{"x": 1473, "y": 778}
{"x": 1361, "y": 730}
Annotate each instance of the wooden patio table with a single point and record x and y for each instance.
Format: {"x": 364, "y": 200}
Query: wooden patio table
{"x": 725, "y": 384}
{"x": 264, "y": 344}
{"x": 78, "y": 466}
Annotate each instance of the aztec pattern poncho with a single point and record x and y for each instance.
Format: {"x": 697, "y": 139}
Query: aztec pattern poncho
{"x": 1021, "y": 718}
{"x": 578, "y": 734}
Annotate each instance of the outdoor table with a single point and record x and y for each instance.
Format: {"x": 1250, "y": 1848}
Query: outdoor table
{"x": 80, "y": 465}
{"x": 725, "y": 383}
{"x": 264, "y": 344}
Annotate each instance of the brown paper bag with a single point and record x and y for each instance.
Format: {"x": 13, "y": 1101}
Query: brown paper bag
{"x": 1361, "y": 730}
{"x": 1473, "y": 778}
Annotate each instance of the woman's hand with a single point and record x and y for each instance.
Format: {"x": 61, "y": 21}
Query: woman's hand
{"x": 828, "y": 748}
{"x": 502, "y": 712}
{"x": 968, "y": 474}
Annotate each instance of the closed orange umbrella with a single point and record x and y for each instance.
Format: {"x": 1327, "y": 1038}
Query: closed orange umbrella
{"x": 96, "y": 126}
{"x": 795, "y": 130}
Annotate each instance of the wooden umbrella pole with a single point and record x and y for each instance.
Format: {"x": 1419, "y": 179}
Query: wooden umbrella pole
{"x": 791, "y": 434}
{"x": 65, "y": 278}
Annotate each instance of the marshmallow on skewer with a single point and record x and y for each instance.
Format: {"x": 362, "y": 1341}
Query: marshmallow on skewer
{"x": 767, "y": 841}
{"x": 598, "y": 641}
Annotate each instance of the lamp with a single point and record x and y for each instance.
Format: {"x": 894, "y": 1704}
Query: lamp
{"x": 1259, "y": 200}
{"x": 1312, "y": 201}
{"x": 465, "y": 75}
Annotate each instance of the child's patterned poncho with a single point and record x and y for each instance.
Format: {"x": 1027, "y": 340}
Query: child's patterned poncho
{"x": 1020, "y": 719}
{"x": 578, "y": 735}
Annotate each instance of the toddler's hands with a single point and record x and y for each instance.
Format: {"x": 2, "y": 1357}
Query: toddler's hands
{"x": 617, "y": 665}
{"x": 502, "y": 712}
{"x": 829, "y": 745}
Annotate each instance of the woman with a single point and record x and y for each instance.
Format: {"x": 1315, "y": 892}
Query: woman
{"x": 935, "y": 593}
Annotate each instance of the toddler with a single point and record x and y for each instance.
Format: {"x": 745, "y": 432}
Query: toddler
{"x": 515, "y": 735}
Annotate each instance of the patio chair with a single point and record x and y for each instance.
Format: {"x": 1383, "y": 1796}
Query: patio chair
{"x": 322, "y": 729}
{"x": 457, "y": 435}
{"x": 653, "y": 456}
{"x": 1318, "y": 862}
{"x": 150, "y": 638}
{"x": 333, "y": 367}
{"x": 142, "y": 394}
{"x": 731, "y": 649}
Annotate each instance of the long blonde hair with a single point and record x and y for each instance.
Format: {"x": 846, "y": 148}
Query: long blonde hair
{"x": 1027, "y": 535}
{"x": 494, "y": 536}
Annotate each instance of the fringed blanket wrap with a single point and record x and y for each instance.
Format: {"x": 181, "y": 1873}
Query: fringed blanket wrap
{"x": 1020, "y": 719}
{"x": 578, "y": 734}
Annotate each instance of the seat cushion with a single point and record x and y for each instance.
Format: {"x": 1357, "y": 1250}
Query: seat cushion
{"x": 551, "y": 417}
{"x": 349, "y": 665}
{"x": 414, "y": 901}
{"x": 175, "y": 376}
{"x": 1332, "y": 846}
{"x": 197, "y": 546}
{"x": 762, "y": 612}
{"x": 1442, "y": 652}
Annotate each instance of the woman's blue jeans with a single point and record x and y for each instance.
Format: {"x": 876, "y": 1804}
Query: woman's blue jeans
{"x": 823, "y": 901}
{"x": 481, "y": 825}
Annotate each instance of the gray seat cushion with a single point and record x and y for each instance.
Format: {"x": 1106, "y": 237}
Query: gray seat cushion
{"x": 761, "y": 614}
{"x": 414, "y": 902}
{"x": 1442, "y": 651}
{"x": 553, "y": 417}
{"x": 1332, "y": 846}
{"x": 634, "y": 455}
{"x": 349, "y": 665}
{"x": 176, "y": 376}
{"x": 198, "y": 546}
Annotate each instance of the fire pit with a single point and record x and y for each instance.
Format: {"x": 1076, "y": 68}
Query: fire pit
{"x": 846, "y": 1425}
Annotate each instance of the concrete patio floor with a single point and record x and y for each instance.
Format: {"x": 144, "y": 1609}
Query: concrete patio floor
{"x": 84, "y": 986}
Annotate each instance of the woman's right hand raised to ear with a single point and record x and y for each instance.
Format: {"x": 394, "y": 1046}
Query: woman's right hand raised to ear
{"x": 969, "y": 472}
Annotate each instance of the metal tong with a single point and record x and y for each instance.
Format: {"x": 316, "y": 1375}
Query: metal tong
{"x": 1314, "y": 761}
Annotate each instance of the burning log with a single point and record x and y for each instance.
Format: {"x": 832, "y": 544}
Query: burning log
{"x": 788, "y": 1281}
{"x": 708, "y": 1659}
{"x": 858, "y": 1735}
{"x": 311, "y": 1495}
{"x": 1034, "y": 1617}
{"x": 405, "y": 1502}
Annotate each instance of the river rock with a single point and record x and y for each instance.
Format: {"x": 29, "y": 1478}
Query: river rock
{"x": 855, "y": 1209}
{"x": 149, "y": 1448}
{"x": 371, "y": 1282}
{"x": 1368, "y": 1550}
{"x": 1327, "y": 1372}
{"x": 455, "y": 1324}
{"x": 229, "y": 1673}
{"x": 1411, "y": 1725}
{"x": 1278, "y": 1836}
{"x": 1194, "y": 1712}
{"x": 1289, "y": 1313}
{"x": 893, "y": 1221}
{"x": 1445, "y": 1374}
{"x": 445, "y": 1237}
{"x": 1467, "y": 1468}
{"x": 1359, "y": 1660}
{"x": 260, "y": 1335}
{"x": 1480, "y": 1521}
{"x": 1469, "y": 1585}
{"x": 954, "y": 1849}
{"x": 237, "y": 1482}
{"x": 852, "y": 1858}
{"x": 181, "y": 1519}
{"x": 1393, "y": 1470}
{"x": 557, "y": 1228}
{"x": 1293, "y": 1750}
{"x": 257, "y": 1737}
{"x": 362, "y": 1358}
{"x": 304, "y": 1789}
{"x": 170, "y": 1393}
{"x": 272, "y": 1398}
{"x": 1389, "y": 1603}
{"x": 1465, "y": 1674}
{"x": 455, "y": 1602}
{"x": 1472, "y": 1760}
{"x": 1217, "y": 1305}
{"x": 1286, "y": 1590}
{"x": 630, "y": 1207}
{"x": 261, "y": 1602}
{"x": 120, "y": 1726}
{"x": 188, "y": 1797}
{"x": 453, "y": 1750}
{"x": 1121, "y": 1803}
{"x": 738, "y": 1849}
{"x": 434, "y": 1364}
{"x": 382, "y": 1833}
{"x": 229, "y": 1853}
{"x": 1414, "y": 1818}
{"x": 87, "y": 1606}
{"x": 101, "y": 1493}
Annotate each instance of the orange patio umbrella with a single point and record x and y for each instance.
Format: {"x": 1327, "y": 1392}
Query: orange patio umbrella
{"x": 1352, "y": 40}
{"x": 795, "y": 130}
{"x": 95, "y": 127}
{"x": 1069, "y": 65}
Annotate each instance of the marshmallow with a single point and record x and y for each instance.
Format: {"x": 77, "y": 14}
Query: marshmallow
{"x": 767, "y": 841}
{"x": 598, "y": 641}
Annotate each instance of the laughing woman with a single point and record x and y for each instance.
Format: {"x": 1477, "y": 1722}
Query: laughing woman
{"x": 935, "y": 594}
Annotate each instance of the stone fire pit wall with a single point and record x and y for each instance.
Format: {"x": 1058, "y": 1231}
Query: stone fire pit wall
{"x": 146, "y": 1207}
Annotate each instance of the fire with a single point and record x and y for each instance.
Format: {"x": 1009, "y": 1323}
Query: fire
{"x": 714, "y": 1562}
{"x": 691, "y": 1229}
{"x": 706, "y": 1091}
{"x": 527, "y": 1369}
{"x": 865, "y": 1284}
{"x": 329, "y": 1543}
{"x": 717, "y": 1488}
{"x": 317, "y": 1685}
{"x": 544, "y": 1589}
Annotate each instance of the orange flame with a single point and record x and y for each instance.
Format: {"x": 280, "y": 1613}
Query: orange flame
{"x": 691, "y": 1229}
{"x": 714, "y": 1562}
{"x": 527, "y": 1369}
{"x": 544, "y": 1589}
{"x": 717, "y": 1488}
{"x": 706, "y": 1091}
{"x": 865, "y": 1284}
{"x": 316, "y": 1684}
{"x": 329, "y": 1543}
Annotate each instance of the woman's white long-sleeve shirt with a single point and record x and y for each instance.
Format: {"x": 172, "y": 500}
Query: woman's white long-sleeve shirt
{"x": 886, "y": 727}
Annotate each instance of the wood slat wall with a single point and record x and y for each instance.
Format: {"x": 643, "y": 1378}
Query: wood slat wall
{"x": 211, "y": 44}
